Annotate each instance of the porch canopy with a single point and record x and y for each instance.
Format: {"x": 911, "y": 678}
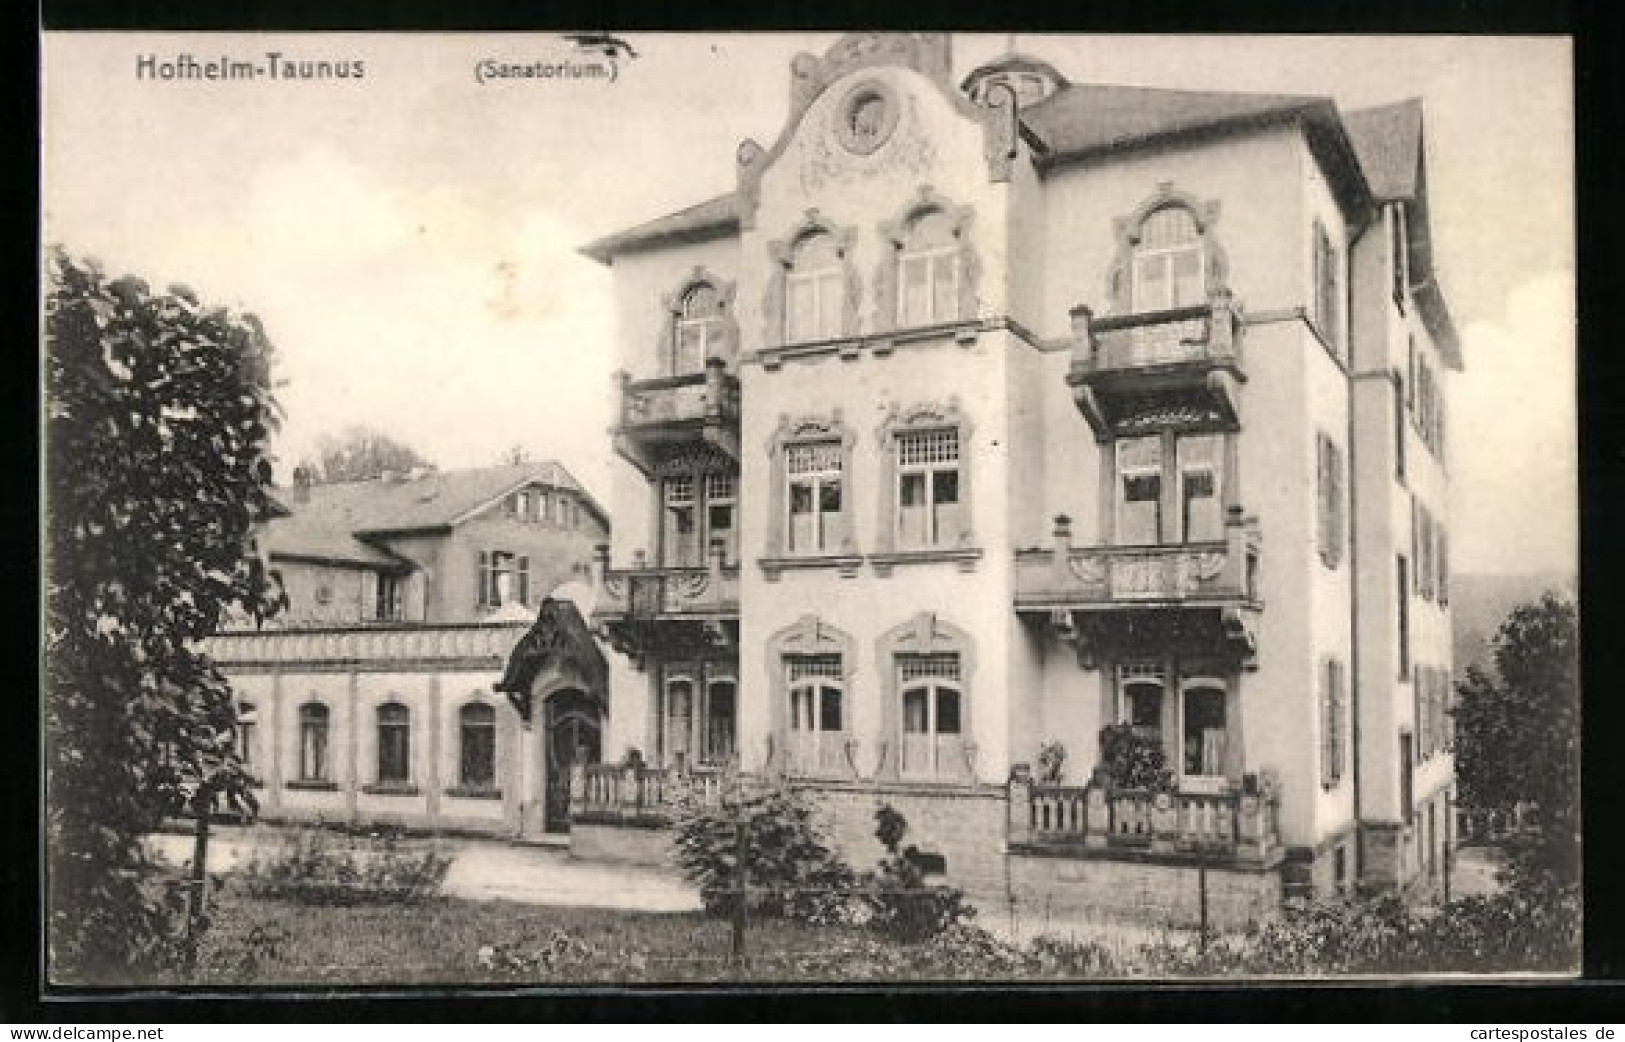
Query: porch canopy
{"x": 559, "y": 641}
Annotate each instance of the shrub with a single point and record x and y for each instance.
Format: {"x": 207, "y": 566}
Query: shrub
{"x": 791, "y": 873}
{"x": 1133, "y": 761}
{"x": 313, "y": 867}
{"x": 1051, "y": 763}
{"x": 905, "y": 907}
{"x": 1384, "y": 935}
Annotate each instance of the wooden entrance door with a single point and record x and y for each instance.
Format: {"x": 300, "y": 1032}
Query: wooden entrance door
{"x": 573, "y": 735}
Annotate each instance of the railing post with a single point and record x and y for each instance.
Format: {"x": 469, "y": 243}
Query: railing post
{"x": 1083, "y": 336}
{"x": 715, "y": 369}
{"x": 1061, "y": 561}
{"x": 1221, "y": 332}
{"x": 1019, "y": 809}
{"x": 623, "y": 382}
{"x": 1164, "y": 822}
{"x": 714, "y": 562}
{"x": 1097, "y": 817}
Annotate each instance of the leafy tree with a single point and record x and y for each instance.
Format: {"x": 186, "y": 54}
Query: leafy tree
{"x": 361, "y": 453}
{"x": 157, "y": 416}
{"x": 1518, "y": 738}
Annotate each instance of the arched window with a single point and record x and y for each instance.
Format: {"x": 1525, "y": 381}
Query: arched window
{"x": 477, "y": 731}
{"x": 313, "y": 733}
{"x": 1168, "y": 263}
{"x": 814, "y": 288}
{"x": 928, "y": 271}
{"x": 698, "y": 331}
{"x": 817, "y": 713}
{"x": 394, "y": 744}
{"x": 929, "y": 686}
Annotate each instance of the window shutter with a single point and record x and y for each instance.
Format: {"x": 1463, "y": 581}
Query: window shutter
{"x": 524, "y": 581}
{"x": 485, "y": 578}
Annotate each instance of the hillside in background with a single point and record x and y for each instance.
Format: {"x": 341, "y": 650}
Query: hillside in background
{"x": 1480, "y": 603}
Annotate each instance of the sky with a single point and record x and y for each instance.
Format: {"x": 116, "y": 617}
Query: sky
{"x": 409, "y": 239}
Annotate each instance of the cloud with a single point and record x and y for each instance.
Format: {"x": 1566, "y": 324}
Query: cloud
{"x": 1514, "y": 435}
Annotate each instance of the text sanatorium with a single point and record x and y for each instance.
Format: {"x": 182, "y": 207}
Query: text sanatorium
{"x": 273, "y": 65}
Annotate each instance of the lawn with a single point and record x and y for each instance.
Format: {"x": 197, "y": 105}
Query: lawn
{"x": 441, "y": 941}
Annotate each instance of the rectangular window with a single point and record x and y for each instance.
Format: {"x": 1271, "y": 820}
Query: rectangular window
{"x": 1399, "y": 435}
{"x": 1397, "y": 243}
{"x": 1202, "y": 517}
{"x": 720, "y": 514}
{"x": 478, "y": 741}
{"x": 815, "y": 742}
{"x": 719, "y": 722}
{"x": 387, "y": 606}
{"x": 814, "y": 472}
{"x": 1332, "y": 716}
{"x": 1329, "y": 484}
{"x": 928, "y": 500}
{"x": 679, "y": 719}
{"x": 1442, "y": 562}
{"x": 929, "y": 287}
{"x": 1203, "y": 731}
{"x": 1328, "y": 289}
{"x": 1407, "y": 768}
{"x": 813, "y": 303}
{"x": 394, "y": 745}
{"x": 503, "y": 579}
{"x": 931, "y": 713}
{"x": 1139, "y": 476}
{"x": 681, "y": 544}
{"x": 1403, "y": 595}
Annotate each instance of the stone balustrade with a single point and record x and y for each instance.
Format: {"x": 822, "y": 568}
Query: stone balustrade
{"x": 1236, "y": 825}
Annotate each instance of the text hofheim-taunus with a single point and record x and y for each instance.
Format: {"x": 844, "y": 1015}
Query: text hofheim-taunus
{"x": 272, "y": 65}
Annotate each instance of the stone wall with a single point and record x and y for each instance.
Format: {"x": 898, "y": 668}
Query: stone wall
{"x": 964, "y": 825}
{"x": 621, "y": 844}
{"x": 1141, "y": 891}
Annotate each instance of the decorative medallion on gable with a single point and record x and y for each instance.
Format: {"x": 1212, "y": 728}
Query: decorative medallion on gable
{"x": 869, "y": 119}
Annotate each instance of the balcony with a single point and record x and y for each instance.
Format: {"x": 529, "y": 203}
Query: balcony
{"x": 1131, "y": 372}
{"x": 658, "y": 609}
{"x": 669, "y": 416}
{"x": 1195, "y": 595}
{"x": 1236, "y": 826}
{"x": 636, "y": 795}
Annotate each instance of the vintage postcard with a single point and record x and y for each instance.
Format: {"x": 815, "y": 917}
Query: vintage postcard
{"x": 576, "y": 508}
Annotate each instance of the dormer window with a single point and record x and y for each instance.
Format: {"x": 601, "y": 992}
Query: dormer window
{"x": 813, "y": 289}
{"x": 1168, "y": 262}
{"x": 928, "y": 290}
{"x": 699, "y": 331}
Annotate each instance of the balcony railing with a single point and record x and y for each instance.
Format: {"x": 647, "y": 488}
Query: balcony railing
{"x": 1187, "y": 357}
{"x": 1092, "y": 817}
{"x": 710, "y": 395}
{"x": 646, "y": 593}
{"x": 628, "y": 794}
{"x": 1211, "y": 573}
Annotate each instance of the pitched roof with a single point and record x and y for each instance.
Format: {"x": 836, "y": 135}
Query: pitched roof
{"x": 1081, "y": 119}
{"x": 1388, "y": 140}
{"x": 1077, "y": 120}
{"x": 713, "y": 217}
{"x": 332, "y": 521}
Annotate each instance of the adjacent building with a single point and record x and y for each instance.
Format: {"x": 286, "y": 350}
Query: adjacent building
{"x": 1063, "y": 464}
{"x": 372, "y": 695}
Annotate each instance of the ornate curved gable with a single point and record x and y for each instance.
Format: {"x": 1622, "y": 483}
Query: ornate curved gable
{"x": 929, "y": 54}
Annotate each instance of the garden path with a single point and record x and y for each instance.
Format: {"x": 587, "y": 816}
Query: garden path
{"x": 485, "y": 869}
